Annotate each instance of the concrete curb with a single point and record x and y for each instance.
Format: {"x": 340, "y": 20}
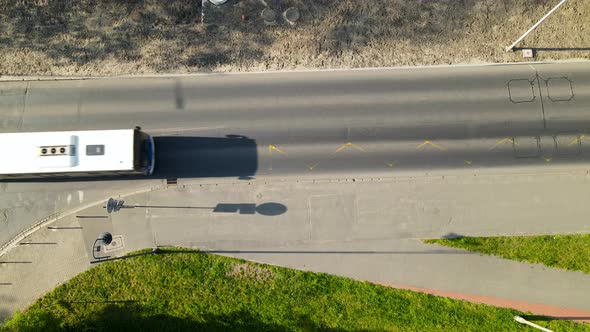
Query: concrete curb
{"x": 310, "y": 70}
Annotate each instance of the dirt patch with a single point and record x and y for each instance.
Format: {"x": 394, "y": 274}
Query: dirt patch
{"x": 109, "y": 37}
{"x": 250, "y": 271}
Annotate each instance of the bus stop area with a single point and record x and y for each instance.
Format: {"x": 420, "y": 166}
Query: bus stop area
{"x": 303, "y": 226}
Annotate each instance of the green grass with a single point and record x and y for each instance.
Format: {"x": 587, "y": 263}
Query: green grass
{"x": 569, "y": 252}
{"x": 187, "y": 290}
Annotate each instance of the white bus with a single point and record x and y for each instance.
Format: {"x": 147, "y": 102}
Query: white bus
{"x": 76, "y": 153}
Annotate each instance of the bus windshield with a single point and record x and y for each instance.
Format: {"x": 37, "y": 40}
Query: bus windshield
{"x": 145, "y": 153}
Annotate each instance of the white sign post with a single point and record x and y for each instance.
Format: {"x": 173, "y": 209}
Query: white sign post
{"x": 511, "y": 47}
{"x": 524, "y": 321}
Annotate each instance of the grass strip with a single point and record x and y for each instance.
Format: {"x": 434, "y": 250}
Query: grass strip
{"x": 569, "y": 252}
{"x": 180, "y": 290}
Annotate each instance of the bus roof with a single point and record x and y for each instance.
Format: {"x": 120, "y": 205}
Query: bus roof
{"x": 83, "y": 151}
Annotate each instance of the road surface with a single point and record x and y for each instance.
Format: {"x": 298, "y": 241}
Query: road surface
{"x": 313, "y": 125}
{"x": 329, "y": 122}
{"x": 354, "y": 164}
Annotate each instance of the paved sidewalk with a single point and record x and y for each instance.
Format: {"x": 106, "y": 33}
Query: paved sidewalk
{"x": 39, "y": 263}
{"x": 333, "y": 227}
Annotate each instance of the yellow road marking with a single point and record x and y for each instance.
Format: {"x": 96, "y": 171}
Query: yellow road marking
{"x": 421, "y": 146}
{"x": 547, "y": 159}
{"x": 392, "y": 164}
{"x": 342, "y": 147}
{"x": 272, "y": 148}
{"x": 468, "y": 162}
{"x": 502, "y": 141}
{"x": 349, "y": 144}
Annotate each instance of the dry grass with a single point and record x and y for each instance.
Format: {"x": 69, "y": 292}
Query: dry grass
{"x": 250, "y": 271}
{"x": 89, "y": 37}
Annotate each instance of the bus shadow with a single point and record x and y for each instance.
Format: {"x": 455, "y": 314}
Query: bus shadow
{"x": 190, "y": 157}
{"x": 187, "y": 157}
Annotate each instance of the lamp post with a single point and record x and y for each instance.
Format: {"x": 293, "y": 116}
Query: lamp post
{"x": 511, "y": 47}
{"x": 104, "y": 240}
{"x": 526, "y": 322}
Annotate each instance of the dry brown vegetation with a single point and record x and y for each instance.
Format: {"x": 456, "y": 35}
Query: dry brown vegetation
{"x": 250, "y": 271}
{"x": 110, "y": 37}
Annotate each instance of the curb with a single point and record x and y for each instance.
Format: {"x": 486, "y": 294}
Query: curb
{"x": 310, "y": 70}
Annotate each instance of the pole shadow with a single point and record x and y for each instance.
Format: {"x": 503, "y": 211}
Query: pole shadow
{"x": 265, "y": 209}
{"x": 553, "y": 49}
{"x": 550, "y": 318}
{"x": 165, "y": 250}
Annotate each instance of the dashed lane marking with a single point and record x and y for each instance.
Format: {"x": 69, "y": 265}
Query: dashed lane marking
{"x": 341, "y": 148}
{"x": 272, "y": 148}
{"x": 503, "y": 141}
{"x": 350, "y": 144}
{"x": 430, "y": 143}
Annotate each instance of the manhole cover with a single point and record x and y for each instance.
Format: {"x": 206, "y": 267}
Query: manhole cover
{"x": 291, "y": 15}
{"x": 269, "y": 16}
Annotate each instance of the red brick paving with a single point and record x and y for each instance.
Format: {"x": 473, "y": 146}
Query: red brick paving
{"x": 539, "y": 309}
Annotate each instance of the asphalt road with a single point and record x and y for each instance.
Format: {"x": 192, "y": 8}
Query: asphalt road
{"x": 329, "y": 122}
{"x": 334, "y": 124}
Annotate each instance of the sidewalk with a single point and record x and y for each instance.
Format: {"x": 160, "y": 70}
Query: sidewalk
{"x": 330, "y": 227}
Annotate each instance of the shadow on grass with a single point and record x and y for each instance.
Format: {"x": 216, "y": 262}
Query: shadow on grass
{"x": 137, "y": 317}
